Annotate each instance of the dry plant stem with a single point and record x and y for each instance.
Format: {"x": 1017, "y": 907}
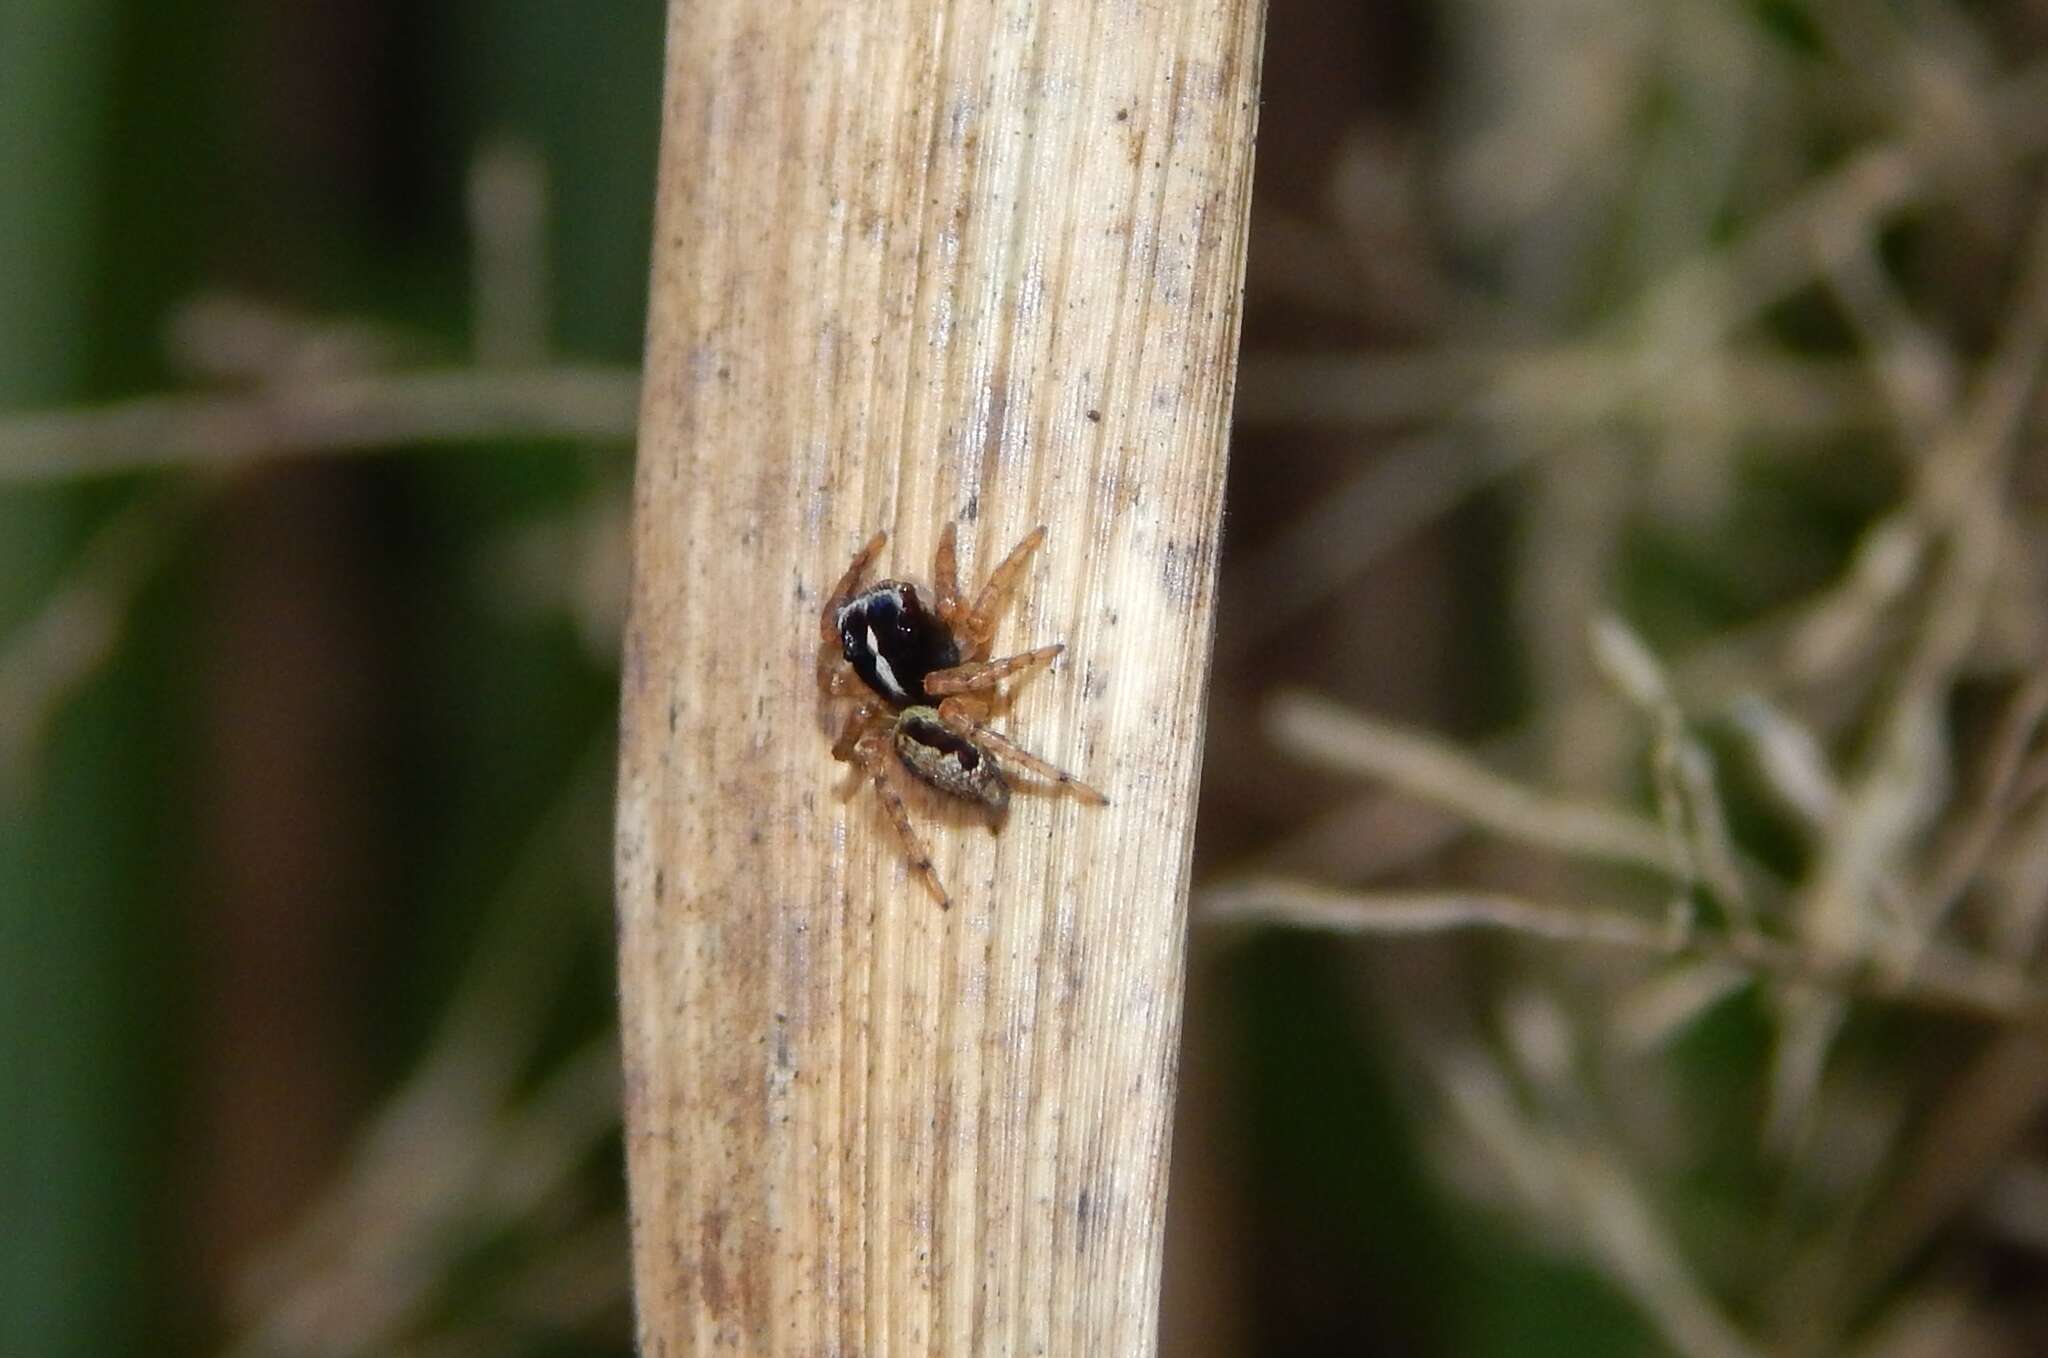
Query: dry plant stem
{"x": 1962, "y": 852}
{"x": 319, "y": 415}
{"x": 1981, "y": 1121}
{"x": 1958, "y": 500}
{"x": 1691, "y": 309}
{"x": 1569, "y": 1177}
{"x": 1331, "y": 736}
{"x": 1959, "y": 495}
{"x": 918, "y": 263}
{"x": 1688, "y": 801}
{"x": 463, "y": 1145}
{"x": 1562, "y": 386}
{"x": 508, "y": 217}
{"x": 1946, "y": 982}
{"x": 45, "y": 658}
{"x": 1960, "y": 492}
{"x": 1817, "y": 640}
{"x": 1915, "y": 372}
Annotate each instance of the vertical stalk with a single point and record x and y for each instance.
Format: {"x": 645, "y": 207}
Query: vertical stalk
{"x": 918, "y": 262}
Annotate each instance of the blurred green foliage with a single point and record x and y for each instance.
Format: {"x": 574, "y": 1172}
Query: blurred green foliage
{"x": 156, "y": 151}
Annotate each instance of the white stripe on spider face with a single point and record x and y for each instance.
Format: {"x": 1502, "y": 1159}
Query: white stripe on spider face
{"x": 882, "y": 670}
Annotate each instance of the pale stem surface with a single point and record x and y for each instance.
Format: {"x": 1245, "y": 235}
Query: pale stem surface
{"x": 917, "y": 262}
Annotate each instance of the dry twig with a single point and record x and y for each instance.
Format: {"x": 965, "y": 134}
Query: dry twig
{"x": 917, "y": 263}
{"x": 1946, "y": 982}
{"x": 319, "y": 415}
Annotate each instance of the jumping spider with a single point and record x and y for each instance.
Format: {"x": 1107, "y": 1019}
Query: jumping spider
{"x": 927, "y": 686}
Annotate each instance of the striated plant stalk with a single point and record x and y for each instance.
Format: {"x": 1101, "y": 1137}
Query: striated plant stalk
{"x": 918, "y": 263}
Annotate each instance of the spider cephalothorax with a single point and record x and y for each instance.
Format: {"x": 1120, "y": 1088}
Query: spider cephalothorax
{"x": 927, "y": 685}
{"x": 893, "y": 641}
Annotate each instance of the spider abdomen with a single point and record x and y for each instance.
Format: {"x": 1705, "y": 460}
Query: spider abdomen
{"x": 947, "y": 760}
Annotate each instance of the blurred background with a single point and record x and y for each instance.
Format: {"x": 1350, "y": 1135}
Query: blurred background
{"x": 1623, "y": 853}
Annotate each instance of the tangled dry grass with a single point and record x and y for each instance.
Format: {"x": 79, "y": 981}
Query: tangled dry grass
{"x": 1812, "y": 811}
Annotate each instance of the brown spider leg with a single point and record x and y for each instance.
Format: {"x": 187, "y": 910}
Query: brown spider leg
{"x": 979, "y": 623}
{"x": 850, "y": 581}
{"x": 946, "y": 576}
{"x": 830, "y": 662}
{"x": 837, "y": 679}
{"x": 988, "y": 673}
{"x": 957, "y": 714}
{"x": 873, "y": 754}
{"x": 828, "y": 618}
{"x": 856, "y": 726}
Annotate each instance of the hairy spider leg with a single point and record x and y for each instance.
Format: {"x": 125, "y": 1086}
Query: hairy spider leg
{"x": 946, "y": 577}
{"x": 989, "y": 673}
{"x": 872, "y": 752}
{"x": 849, "y": 584}
{"x": 964, "y": 716}
{"x": 831, "y": 664}
{"x": 838, "y": 678}
{"x": 979, "y": 624}
{"x": 856, "y": 726}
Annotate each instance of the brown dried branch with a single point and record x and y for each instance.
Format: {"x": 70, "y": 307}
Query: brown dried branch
{"x": 917, "y": 264}
{"x": 1326, "y": 735}
{"x": 1947, "y": 982}
{"x": 335, "y": 414}
{"x": 46, "y": 657}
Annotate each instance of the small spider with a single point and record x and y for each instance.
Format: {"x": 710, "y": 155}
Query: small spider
{"x": 927, "y": 686}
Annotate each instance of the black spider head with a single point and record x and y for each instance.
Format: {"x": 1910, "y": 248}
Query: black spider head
{"x": 893, "y": 641}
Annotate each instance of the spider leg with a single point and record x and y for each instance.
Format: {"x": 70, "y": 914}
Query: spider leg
{"x": 828, "y": 619}
{"x": 836, "y": 678}
{"x": 872, "y": 753}
{"x": 857, "y": 722}
{"x": 980, "y": 622}
{"x": 946, "y": 576}
{"x": 988, "y": 673}
{"x": 973, "y": 707}
{"x": 833, "y": 677}
{"x": 959, "y": 715}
